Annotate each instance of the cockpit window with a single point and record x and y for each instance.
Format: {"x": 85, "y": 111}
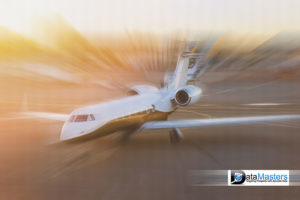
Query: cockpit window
{"x": 72, "y": 118}
{"x": 82, "y": 118}
{"x": 91, "y": 117}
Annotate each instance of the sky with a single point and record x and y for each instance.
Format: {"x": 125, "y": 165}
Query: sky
{"x": 155, "y": 15}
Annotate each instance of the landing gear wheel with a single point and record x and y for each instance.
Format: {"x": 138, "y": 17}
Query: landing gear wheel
{"x": 175, "y": 136}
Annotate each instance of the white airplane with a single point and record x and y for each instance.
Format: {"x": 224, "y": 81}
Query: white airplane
{"x": 147, "y": 109}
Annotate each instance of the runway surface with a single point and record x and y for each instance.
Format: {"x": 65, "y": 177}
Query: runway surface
{"x": 147, "y": 166}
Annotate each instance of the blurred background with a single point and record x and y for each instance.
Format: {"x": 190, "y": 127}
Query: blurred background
{"x": 60, "y": 55}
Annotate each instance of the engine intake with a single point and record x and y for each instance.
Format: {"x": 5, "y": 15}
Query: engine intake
{"x": 187, "y": 95}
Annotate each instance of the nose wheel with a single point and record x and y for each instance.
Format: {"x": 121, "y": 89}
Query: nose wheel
{"x": 176, "y": 135}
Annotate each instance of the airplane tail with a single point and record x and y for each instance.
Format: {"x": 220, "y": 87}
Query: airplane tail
{"x": 181, "y": 73}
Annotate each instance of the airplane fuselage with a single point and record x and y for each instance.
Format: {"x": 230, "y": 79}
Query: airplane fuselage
{"x": 108, "y": 117}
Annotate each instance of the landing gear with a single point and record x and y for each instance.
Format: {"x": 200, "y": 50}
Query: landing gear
{"x": 127, "y": 134}
{"x": 176, "y": 135}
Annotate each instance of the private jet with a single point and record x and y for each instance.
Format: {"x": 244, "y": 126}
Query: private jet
{"x": 147, "y": 109}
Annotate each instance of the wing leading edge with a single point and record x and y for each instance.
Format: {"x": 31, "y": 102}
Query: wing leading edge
{"x": 217, "y": 121}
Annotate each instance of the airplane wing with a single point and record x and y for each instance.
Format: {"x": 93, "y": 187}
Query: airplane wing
{"x": 46, "y": 115}
{"x": 212, "y": 122}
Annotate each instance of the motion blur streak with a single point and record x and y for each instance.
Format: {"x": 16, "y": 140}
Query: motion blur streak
{"x": 62, "y": 69}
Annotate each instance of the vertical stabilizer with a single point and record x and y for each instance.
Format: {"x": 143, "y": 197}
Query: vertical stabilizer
{"x": 181, "y": 73}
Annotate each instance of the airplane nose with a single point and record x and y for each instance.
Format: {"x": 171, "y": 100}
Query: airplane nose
{"x": 73, "y": 130}
{"x": 70, "y": 131}
{"x": 65, "y": 132}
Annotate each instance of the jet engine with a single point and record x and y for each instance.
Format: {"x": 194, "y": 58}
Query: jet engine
{"x": 187, "y": 95}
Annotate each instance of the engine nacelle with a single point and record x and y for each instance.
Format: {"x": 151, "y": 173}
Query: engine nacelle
{"x": 187, "y": 95}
